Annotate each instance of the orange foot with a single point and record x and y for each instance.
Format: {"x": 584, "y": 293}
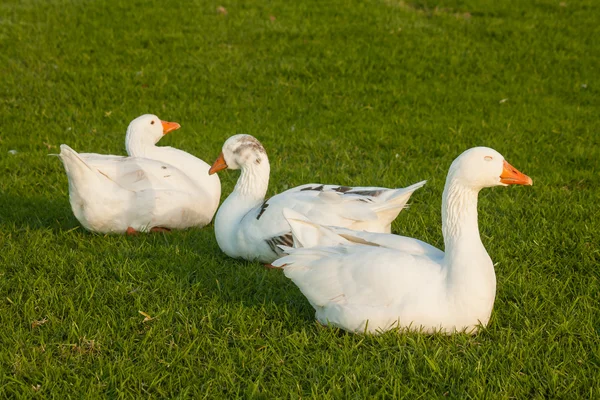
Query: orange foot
{"x": 131, "y": 232}
{"x": 159, "y": 229}
{"x": 270, "y": 266}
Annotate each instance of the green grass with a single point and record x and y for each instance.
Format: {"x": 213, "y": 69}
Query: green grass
{"x": 377, "y": 92}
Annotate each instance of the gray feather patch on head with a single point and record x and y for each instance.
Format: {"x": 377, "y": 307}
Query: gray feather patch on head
{"x": 249, "y": 142}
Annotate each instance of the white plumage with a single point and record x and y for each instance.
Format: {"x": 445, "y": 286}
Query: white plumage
{"x": 156, "y": 187}
{"x": 364, "y": 282}
{"x": 248, "y": 227}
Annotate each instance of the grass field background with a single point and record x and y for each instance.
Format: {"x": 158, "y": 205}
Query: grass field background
{"x": 372, "y": 92}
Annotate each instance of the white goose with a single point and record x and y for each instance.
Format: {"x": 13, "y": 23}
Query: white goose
{"x": 372, "y": 288}
{"x": 155, "y": 189}
{"x": 248, "y": 227}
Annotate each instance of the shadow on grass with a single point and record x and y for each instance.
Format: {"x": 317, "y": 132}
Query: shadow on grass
{"x": 36, "y": 212}
{"x": 252, "y": 285}
{"x": 192, "y": 256}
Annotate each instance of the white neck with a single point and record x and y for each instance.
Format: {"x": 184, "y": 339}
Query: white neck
{"x": 249, "y": 192}
{"x": 138, "y": 145}
{"x": 459, "y": 215}
{"x": 253, "y": 182}
{"x": 470, "y": 271}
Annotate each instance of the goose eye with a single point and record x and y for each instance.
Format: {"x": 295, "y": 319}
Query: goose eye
{"x": 487, "y": 158}
{"x": 152, "y": 123}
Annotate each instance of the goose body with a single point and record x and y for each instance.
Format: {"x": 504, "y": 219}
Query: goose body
{"x": 363, "y": 285}
{"x": 248, "y": 226}
{"x": 153, "y": 188}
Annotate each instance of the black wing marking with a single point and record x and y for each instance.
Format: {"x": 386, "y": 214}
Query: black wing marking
{"x": 263, "y": 208}
{"x": 347, "y": 190}
{"x": 283, "y": 240}
{"x": 342, "y": 189}
{"x": 371, "y": 193}
{"x": 316, "y": 188}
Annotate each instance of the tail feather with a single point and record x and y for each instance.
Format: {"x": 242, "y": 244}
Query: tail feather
{"x": 304, "y": 256}
{"x": 388, "y": 209}
{"x": 399, "y": 197}
{"x": 82, "y": 177}
{"x": 308, "y": 234}
{"x": 72, "y": 162}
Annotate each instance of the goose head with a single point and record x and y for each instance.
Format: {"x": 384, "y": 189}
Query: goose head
{"x": 146, "y": 130}
{"x": 240, "y": 152}
{"x": 482, "y": 167}
{"x": 473, "y": 170}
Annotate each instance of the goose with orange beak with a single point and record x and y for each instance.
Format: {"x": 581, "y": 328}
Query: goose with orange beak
{"x": 156, "y": 188}
{"x": 249, "y": 227}
{"x": 370, "y": 283}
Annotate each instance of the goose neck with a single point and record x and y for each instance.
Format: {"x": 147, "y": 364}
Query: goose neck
{"x": 136, "y": 146}
{"x": 249, "y": 192}
{"x": 253, "y": 182}
{"x": 470, "y": 272}
{"x": 459, "y": 216}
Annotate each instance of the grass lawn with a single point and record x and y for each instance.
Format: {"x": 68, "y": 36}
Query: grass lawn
{"x": 376, "y": 92}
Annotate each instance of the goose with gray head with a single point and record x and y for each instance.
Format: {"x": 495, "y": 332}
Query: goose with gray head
{"x": 248, "y": 227}
{"x": 155, "y": 188}
{"x": 363, "y": 286}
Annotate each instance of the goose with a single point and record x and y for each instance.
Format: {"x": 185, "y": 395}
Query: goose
{"x": 249, "y": 227}
{"x": 154, "y": 189}
{"x": 370, "y": 287}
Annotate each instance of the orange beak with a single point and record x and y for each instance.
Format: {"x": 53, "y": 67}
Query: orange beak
{"x": 218, "y": 165}
{"x": 512, "y": 176}
{"x": 169, "y": 126}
